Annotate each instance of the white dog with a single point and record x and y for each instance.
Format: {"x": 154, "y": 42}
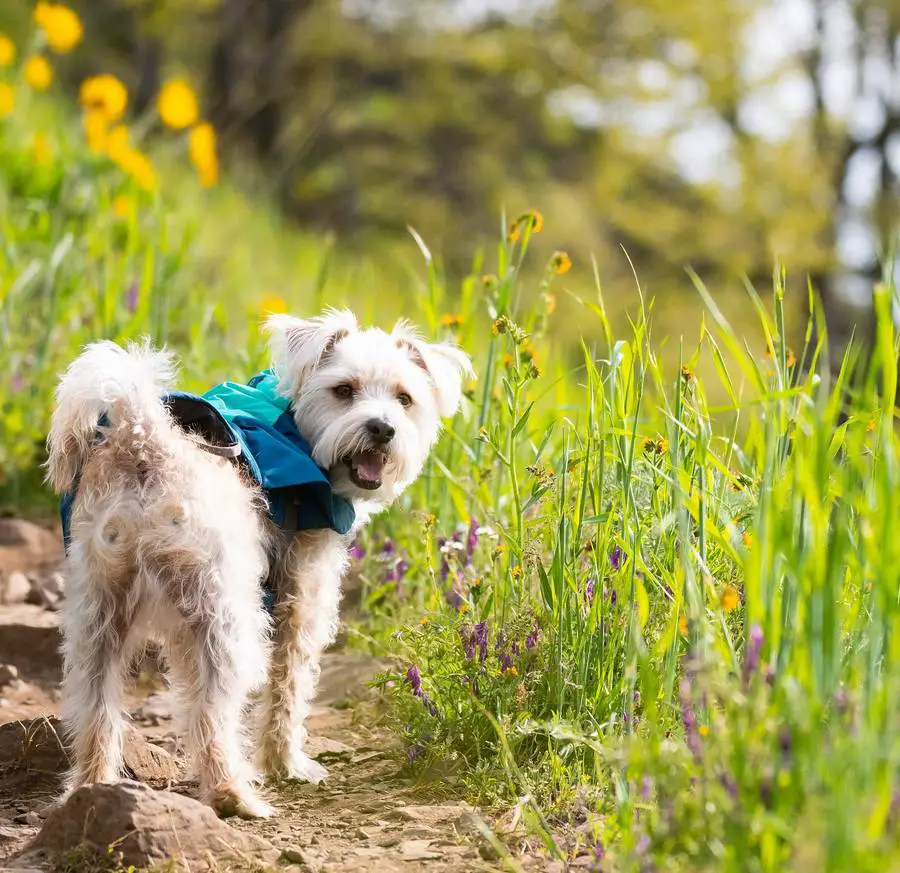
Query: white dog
{"x": 172, "y": 542}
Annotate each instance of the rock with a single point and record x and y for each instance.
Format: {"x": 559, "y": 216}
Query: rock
{"x": 323, "y": 748}
{"x": 156, "y": 708}
{"x": 25, "y": 546}
{"x": 14, "y": 588}
{"x": 8, "y": 675}
{"x": 418, "y": 850}
{"x": 30, "y": 640}
{"x": 145, "y": 827}
{"x": 34, "y": 750}
{"x": 457, "y": 814}
{"x": 46, "y": 589}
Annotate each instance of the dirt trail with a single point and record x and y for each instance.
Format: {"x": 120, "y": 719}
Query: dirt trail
{"x": 364, "y": 817}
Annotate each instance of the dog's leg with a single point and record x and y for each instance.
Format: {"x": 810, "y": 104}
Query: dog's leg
{"x": 216, "y": 658}
{"x": 96, "y": 618}
{"x": 306, "y": 618}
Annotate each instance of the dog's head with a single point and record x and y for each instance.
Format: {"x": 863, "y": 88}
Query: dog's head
{"x": 369, "y": 403}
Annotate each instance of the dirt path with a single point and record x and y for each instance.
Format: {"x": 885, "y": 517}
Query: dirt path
{"x": 364, "y": 817}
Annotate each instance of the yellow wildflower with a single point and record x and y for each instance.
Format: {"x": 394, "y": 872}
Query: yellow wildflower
{"x": 273, "y": 305}
{"x": 476, "y": 582}
{"x": 790, "y": 358}
{"x": 38, "y": 73}
{"x": 423, "y": 620}
{"x": 121, "y": 206}
{"x": 513, "y": 671}
{"x": 62, "y": 26}
{"x": 96, "y": 131}
{"x": 550, "y": 304}
{"x": 118, "y": 145}
{"x": 730, "y": 598}
{"x": 138, "y": 166}
{"x": 748, "y": 540}
{"x": 7, "y": 51}
{"x": 508, "y": 361}
{"x": 683, "y": 625}
{"x": 703, "y": 730}
{"x": 7, "y": 99}
{"x": 513, "y": 231}
{"x": 561, "y": 263}
{"x": 687, "y": 373}
{"x": 516, "y": 571}
{"x": 537, "y": 221}
{"x": 40, "y": 149}
{"x": 105, "y": 95}
{"x": 870, "y": 425}
{"x": 451, "y": 319}
{"x": 488, "y": 280}
{"x": 202, "y": 151}
{"x": 177, "y": 104}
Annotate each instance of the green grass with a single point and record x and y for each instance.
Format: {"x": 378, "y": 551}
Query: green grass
{"x": 653, "y": 591}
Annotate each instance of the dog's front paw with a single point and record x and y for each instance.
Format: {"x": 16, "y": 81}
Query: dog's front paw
{"x": 303, "y": 768}
{"x": 244, "y": 803}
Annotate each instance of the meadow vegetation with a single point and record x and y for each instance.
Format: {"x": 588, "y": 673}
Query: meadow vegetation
{"x": 619, "y": 604}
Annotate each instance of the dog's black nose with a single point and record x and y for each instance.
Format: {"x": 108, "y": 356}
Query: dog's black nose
{"x": 380, "y": 431}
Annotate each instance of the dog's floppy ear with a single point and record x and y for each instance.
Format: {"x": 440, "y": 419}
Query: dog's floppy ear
{"x": 300, "y": 345}
{"x": 444, "y": 363}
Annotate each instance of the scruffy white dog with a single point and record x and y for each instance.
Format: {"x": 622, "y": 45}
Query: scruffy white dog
{"x": 171, "y": 542}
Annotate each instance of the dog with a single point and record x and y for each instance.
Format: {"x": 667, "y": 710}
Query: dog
{"x": 172, "y": 542}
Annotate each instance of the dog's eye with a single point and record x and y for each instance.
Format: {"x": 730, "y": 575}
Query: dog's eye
{"x": 345, "y": 392}
{"x": 405, "y": 399}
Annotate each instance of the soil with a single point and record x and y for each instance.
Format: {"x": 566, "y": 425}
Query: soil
{"x": 365, "y": 817}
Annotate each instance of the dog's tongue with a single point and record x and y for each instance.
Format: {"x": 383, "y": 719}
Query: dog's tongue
{"x": 369, "y": 466}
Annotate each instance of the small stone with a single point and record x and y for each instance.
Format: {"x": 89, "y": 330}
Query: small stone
{"x": 418, "y": 850}
{"x": 46, "y": 589}
{"x": 8, "y": 674}
{"x": 15, "y": 588}
{"x": 323, "y": 749}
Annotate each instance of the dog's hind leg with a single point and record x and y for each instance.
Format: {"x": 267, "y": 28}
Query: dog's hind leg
{"x": 306, "y": 618}
{"x": 217, "y": 656}
{"x": 96, "y": 620}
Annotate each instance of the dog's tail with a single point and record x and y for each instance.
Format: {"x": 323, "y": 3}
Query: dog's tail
{"x": 122, "y": 384}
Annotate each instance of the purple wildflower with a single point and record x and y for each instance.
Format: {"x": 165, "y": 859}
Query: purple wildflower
{"x": 468, "y": 638}
{"x": 132, "y": 297}
{"x": 415, "y": 752}
{"x": 500, "y": 645}
{"x": 388, "y": 548}
{"x": 516, "y": 650}
{"x": 642, "y": 844}
{"x": 398, "y": 571}
{"x": 430, "y": 705}
{"x": 531, "y": 640}
{"x": 729, "y": 785}
{"x": 414, "y": 677}
{"x": 16, "y": 384}
{"x": 454, "y": 595}
{"x": 505, "y": 662}
{"x": 752, "y": 653}
{"x": 471, "y": 539}
{"x": 646, "y": 787}
{"x": 589, "y": 592}
{"x": 482, "y": 634}
{"x": 616, "y": 557}
{"x": 599, "y": 852}
{"x": 357, "y": 552}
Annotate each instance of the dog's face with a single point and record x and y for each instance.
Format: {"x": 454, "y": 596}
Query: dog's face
{"x": 369, "y": 403}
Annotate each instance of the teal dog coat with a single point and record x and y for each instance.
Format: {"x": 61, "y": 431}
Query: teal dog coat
{"x": 253, "y": 424}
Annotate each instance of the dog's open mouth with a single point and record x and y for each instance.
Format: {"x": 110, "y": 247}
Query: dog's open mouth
{"x": 366, "y": 469}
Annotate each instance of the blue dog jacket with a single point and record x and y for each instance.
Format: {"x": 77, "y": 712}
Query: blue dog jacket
{"x": 256, "y": 423}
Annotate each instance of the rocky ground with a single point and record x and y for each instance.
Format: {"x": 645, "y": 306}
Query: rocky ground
{"x": 364, "y": 817}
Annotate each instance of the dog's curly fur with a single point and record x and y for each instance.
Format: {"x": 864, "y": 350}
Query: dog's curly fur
{"x": 171, "y": 543}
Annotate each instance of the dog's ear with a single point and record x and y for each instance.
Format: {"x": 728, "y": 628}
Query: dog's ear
{"x": 444, "y": 363}
{"x": 300, "y": 345}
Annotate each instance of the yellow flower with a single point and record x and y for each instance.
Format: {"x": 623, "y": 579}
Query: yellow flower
{"x": 137, "y": 165}
{"x": 551, "y": 304}
{"x": 748, "y": 540}
{"x": 513, "y": 231}
{"x": 96, "y": 131}
{"x": 516, "y": 571}
{"x": 61, "y": 26}
{"x": 38, "y": 73}
{"x": 450, "y": 319}
{"x": 40, "y": 149}
{"x": 423, "y": 620}
{"x": 513, "y": 671}
{"x": 870, "y": 425}
{"x": 121, "y": 206}
{"x": 7, "y": 50}
{"x": 177, "y": 104}
{"x": 105, "y": 95}
{"x": 273, "y": 305}
{"x": 537, "y": 221}
{"x": 561, "y": 263}
{"x": 202, "y": 151}
{"x": 118, "y": 145}
{"x": 687, "y": 373}
{"x": 683, "y": 625}
{"x": 730, "y": 598}
{"x": 476, "y": 582}
{"x": 703, "y": 730}
{"x": 7, "y": 99}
